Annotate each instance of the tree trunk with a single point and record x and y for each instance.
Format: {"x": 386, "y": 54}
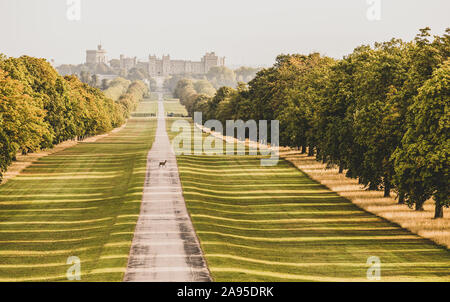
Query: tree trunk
{"x": 341, "y": 169}
{"x": 438, "y": 211}
{"x": 401, "y": 198}
{"x": 387, "y": 187}
{"x": 310, "y": 151}
{"x": 419, "y": 206}
{"x": 373, "y": 187}
{"x": 303, "y": 149}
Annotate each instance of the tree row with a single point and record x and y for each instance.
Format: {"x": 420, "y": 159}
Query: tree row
{"x": 39, "y": 108}
{"x": 381, "y": 114}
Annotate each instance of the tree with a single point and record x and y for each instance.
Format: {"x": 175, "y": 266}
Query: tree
{"x": 204, "y": 87}
{"x": 222, "y": 94}
{"x": 22, "y": 117}
{"x": 6, "y": 152}
{"x": 377, "y": 82}
{"x": 422, "y": 164}
{"x": 85, "y": 77}
{"x": 221, "y": 76}
{"x": 246, "y": 74}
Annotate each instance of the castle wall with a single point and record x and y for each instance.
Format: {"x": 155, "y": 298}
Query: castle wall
{"x": 165, "y": 66}
{"x": 160, "y": 67}
{"x": 96, "y": 56}
{"x": 177, "y": 67}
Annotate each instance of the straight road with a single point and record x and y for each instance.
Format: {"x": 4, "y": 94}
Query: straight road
{"x": 165, "y": 247}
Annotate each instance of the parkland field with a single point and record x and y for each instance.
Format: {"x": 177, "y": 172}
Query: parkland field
{"x": 83, "y": 202}
{"x": 254, "y": 223}
{"x": 276, "y": 224}
{"x": 173, "y": 106}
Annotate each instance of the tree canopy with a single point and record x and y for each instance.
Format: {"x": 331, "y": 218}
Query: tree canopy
{"x": 380, "y": 114}
{"x": 40, "y": 108}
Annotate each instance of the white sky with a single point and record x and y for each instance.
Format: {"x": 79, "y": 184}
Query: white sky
{"x": 247, "y": 32}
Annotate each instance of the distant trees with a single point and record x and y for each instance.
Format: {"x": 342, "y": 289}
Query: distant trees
{"x": 116, "y": 88}
{"x": 246, "y": 74}
{"x": 381, "y": 114}
{"x": 217, "y": 77}
{"x": 134, "y": 94}
{"x": 136, "y": 74}
{"x": 89, "y": 73}
{"x": 40, "y": 108}
{"x": 191, "y": 93}
{"x": 221, "y": 76}
{"x": 204, "y": 87}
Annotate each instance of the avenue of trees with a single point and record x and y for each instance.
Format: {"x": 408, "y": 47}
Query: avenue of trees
{"x": 39, "y": 108}
{"x": 381, "y": 114}
{"x": 194, "y": 95}
{"x": 218, "y": 76}
{"x": 88, "y": 73}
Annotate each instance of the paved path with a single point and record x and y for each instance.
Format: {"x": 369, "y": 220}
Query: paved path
{"x": 165, "y": 247}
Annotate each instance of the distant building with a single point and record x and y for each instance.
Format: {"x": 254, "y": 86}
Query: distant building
{"x": 165, "y": 66}
{"x": 157, "y": 66}
{"x": 96, "y": 56}
{"x": 127, "y": 63}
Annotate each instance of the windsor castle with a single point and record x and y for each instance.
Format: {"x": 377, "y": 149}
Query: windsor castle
{"x": 157, "y": 66}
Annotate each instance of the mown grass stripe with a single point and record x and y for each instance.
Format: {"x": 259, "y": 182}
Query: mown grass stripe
{"x": 70, "y": 203}
{"x": 276, "y": 224}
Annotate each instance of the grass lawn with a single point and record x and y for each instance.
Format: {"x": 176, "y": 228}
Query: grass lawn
{"x": 83, "y": 202}
{"x": 276, "y": 224}
{"x": 174, "y": 106}
{"x": 147, "y": 106}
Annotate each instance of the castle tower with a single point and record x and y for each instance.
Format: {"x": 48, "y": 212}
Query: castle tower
{"x": 152, "y": 65}
{"x": 96, "y": 56}
{"x": 210, "y": 59}
{"x": 166, "y": 66}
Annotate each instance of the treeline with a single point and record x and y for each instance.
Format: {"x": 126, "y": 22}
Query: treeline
{"x": 89, "y": 73}
{"x": 127, "y": 93}
{"x": 194, "y": 94}
{"x": 40, "y": 108}
{"x": 381, "y": 113}
{"x": 116, "y": 88}
{"x": 134, "y": 94}
{"x": 218, "y": 76}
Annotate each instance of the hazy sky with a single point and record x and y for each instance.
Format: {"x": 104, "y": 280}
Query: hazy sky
{"x": 250, "y": 32}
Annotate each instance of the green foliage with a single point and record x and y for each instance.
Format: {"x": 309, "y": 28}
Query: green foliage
{"x": 117, "y": 88}
{"x": 186, "y": 91}
{"x": 204, "y": 87}
{"x": 137, "y": 74}
{"x": 135, "y": 93}
{"x": 246, "y": 74}
{"x": 40, "y": 108}
{"x": 422, "y": 163}
{"x": 221, "y": 76}
{"x": 380, "y": 113}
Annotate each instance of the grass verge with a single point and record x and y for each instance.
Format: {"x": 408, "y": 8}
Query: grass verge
{"x": 83, "y": 201}
{"x": 419, "y": 222}
{"x": 277, "y": 224}
{"x": 173, "y": 106}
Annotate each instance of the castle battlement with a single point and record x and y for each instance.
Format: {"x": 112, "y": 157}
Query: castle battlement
{"x": 166, "y": 66}
{"x": 96, "y": 56}
{"x": 159, "y": 66}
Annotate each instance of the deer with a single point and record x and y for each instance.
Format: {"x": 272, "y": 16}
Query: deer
{"x": 163, "y": 164}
